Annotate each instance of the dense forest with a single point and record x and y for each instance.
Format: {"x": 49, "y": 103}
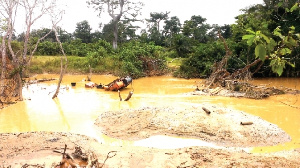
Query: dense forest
{"x": 269, "y": 32}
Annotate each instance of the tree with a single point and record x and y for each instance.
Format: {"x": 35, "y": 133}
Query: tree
{"x": 116, "y": 9}
{"x": 225, "y": 31}
{"x": 56, "y": 18}
{"x": 156, "y": 18}
{"x": 8, "y": 10}
{"x": 108, "y": 32}
{"x": 127, "y": 29}
{"x": 196, "y": 28}
{"x": 172, "y": 27}
{"x": 83, "y": 31}
{"x": 33, "y": 11}
{"x": 153, "y": 25}
{"x": 272, "y": 4}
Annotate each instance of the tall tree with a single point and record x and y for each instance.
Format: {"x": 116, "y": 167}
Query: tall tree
{"x": 33, "y": 11}
{"x": 153, "y": 25}
{"x": 116, "y": 9}
{"x": 83, "y": 31}
{"x": 172, "y": 27}
{"x": 196, "y": 28}
{"x": 156, "y": 18}
{"x": 8, "y": 10}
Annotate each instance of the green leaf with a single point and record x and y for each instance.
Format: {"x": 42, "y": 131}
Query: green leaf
{"x": 291, "y": 64}
{"x": 249, "y": 38}
{"x": 246, "y": 37}
{"x": 277, "y": 32}
{"x": 285, "y": 51}
{"x": 266, "y": 38}
{"x": 279, "y": 4}
{"x": 293, "y": 42}
{"x": 271, "y": 45}
{"x": 279, "y": 70}
{"x": 260, "y": 52}
{"x": 287, "y": 10}
{"x": 250, "y": 31}
{"x": 295, "y": 7}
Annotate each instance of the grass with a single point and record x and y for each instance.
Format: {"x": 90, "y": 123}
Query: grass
{"x": 51, "y": 64}
{"x": 174, "y": 62}
{"x": 76, "y": 64}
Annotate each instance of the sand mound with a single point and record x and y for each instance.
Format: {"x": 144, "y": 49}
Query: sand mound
{"x": 222, "y": 126}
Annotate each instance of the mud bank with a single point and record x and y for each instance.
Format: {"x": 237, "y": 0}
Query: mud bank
{"x": 222, "y": 126}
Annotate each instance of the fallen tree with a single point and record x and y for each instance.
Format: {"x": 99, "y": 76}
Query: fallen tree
{"x": 238, "y": 81}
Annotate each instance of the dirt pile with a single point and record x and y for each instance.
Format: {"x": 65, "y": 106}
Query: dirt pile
{"x": 222, "y": 126}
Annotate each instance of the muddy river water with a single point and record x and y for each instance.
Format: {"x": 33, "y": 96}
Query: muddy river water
{"x": 76, "y": 108}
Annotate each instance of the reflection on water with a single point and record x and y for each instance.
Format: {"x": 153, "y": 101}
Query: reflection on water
{"x": 76, "y": 108}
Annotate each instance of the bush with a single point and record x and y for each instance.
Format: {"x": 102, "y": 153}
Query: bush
{"x": 48, "y": 48}
{"x": 200, "y": 61}
{"x": 140, "y": 59}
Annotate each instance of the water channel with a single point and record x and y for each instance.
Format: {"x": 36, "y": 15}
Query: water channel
{"x": 76, "y": 108}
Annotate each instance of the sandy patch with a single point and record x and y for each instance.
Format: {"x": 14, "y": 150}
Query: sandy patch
{"x": 222, "y": 126}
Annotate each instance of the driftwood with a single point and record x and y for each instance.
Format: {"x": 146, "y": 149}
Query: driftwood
{"x": 89, "y": 77}
{"x": 206, "y": 110}
{"x": 63, "y": 65}
{"x": 246, "y": 123}
{"x": 120, "y": 95}
{"x": 128, "y": 97}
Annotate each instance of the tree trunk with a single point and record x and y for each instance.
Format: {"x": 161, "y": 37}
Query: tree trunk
{"x": 63, "y": 66}
{"x": 19, "y": 86}
{"x": 115, "y": 40}
{"x": 3, "y": 69}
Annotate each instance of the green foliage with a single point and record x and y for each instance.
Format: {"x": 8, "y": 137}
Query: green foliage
{"x": 268, "y": 32}
{"x": 135, "y": 56}
{"x": 98, "y": 51}
{"x": 182, "y": 45}
{"x": 48, "y": 48}
{"x": 263, "y": 44}
{"x": 277, "y": 50}
{"x": 196, "y": 28}
{"x": 76, "y": 47}
{"x": 200, "y": 62}
{"x": 83, "y": 32}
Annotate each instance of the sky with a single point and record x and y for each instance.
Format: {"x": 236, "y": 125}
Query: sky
{"x": 215, "y": 11}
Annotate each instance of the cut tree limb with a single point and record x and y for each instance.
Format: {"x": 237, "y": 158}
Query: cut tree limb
{"x": 129, "y": 96}
{"x": 206, "y": 110}
{"x": 246, "y": 123}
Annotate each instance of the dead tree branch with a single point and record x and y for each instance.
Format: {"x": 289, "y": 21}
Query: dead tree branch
{"x": 63, "y": 66}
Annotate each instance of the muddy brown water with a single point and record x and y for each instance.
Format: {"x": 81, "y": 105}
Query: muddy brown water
{"x": 76, "y": 108}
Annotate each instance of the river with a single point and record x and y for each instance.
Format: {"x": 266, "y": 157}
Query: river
{"x": 76, "y": 108}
